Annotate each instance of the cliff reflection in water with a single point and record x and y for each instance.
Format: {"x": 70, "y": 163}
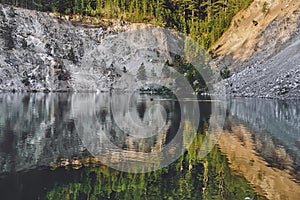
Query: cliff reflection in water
{"x": 261, "y": 141}
{"x": 44, "y": 154}
{"x": 37, "y": 129}
{"x": 276, "y": 127}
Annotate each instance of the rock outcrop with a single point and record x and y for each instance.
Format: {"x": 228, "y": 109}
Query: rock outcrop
{"x": 42, "y": 52}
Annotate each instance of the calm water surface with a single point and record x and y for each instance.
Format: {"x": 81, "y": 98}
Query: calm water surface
{"x": 47, "y": 149}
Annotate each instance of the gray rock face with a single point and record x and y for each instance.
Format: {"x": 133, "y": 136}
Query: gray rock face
{"x": 40, "y": 52}
{"x": 277, "y": 77}
{"x": 37, "y": 51}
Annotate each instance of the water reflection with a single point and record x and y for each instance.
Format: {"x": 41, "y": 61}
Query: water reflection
{"x": 46, "y": 142}
{"x": 276, "y": 127}
{"x": 52, "y": 163}
{"x": 36, "y": 129}
{"x": 141, "y": 108}
{"x": 260, "y": 141}
{"x": 137, "y": 131}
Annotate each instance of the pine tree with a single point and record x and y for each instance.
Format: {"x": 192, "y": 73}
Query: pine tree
{"x": 141, "y": 74}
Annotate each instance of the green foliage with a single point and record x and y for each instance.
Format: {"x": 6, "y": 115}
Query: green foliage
{"x": 191, "y": 73}
{"x": 190, "y": 177}
{"x": 266, "y": 8}
{"x": 203, "y": 20}
{"x": 225, "y": 73}
{"x": 236, "y": 25}
{"x": 68, "y": 11}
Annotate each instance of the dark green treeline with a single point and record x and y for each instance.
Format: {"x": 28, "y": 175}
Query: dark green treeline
{"x": 204, "y": 20}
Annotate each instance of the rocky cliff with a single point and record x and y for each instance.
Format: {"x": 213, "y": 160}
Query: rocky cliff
{"x": 42, "y": 52}
{"x": 261, "y": 50}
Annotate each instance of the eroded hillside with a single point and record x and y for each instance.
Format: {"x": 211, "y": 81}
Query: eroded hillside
{"x": 261, "y": 50}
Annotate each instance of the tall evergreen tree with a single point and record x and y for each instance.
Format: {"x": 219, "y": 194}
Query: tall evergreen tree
{"x": 141, "y": 74}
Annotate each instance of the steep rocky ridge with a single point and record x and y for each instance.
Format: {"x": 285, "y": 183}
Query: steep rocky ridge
{"x": 261, "y": 49}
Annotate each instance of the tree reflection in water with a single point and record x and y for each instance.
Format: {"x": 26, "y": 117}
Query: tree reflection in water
{"x": 38, "y": 133}
{"x": 187, "y": 178}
